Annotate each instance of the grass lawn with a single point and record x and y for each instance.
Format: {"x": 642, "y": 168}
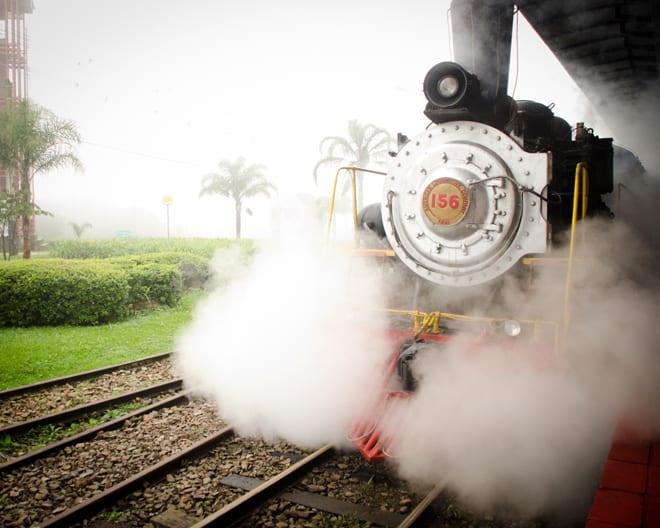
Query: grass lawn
{"x": 28, "y": 355}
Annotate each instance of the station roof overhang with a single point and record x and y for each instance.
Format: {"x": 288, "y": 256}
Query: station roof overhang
{"x": 611, "y": 49}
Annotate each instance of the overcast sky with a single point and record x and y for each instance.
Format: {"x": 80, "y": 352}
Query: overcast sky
{"x": 163, "y": 90}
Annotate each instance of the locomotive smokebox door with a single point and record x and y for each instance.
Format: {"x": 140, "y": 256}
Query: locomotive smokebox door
{"x": 462, "y": 203}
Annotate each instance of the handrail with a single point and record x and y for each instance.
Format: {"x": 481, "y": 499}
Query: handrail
{"x": 619, "y": 187}
{"x": 354, "y": 195}
{"x": 581, "y": 178}
{"x": 431, "y": 321}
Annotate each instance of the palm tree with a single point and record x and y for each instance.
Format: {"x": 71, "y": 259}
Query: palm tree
{"x": 33, "y": 140}
{"x": 79, "y": 229}
{"x": 364, "y": 146}
{"x": 238, "y": 181}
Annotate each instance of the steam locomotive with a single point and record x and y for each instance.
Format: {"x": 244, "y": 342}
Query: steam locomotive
{"x": 488, "y": 183}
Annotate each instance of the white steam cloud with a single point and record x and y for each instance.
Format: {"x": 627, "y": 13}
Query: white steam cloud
{"x": 287, "y": 350}
{"x": 499, "y": 430}
{"x": 502, "y": 426}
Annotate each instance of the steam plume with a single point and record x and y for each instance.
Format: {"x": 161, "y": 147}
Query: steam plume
{"x": 287, "y": 351}
{"x": 501, "y": 426}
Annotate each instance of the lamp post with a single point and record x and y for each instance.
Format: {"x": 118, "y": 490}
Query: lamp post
{"x": 167, "y": 200}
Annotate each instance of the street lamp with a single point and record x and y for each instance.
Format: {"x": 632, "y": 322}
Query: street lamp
{"x": 167, "y": 200}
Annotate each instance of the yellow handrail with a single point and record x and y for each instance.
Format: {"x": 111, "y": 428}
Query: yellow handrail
{"x": 352, "y": 170}
{"x": 431, "y": 321}
{"x": 581, "y": 178}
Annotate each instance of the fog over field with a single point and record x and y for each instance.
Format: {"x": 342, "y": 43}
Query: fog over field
{"x": 161, "y": 99}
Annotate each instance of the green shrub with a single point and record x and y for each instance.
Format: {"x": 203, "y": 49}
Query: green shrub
{"x": 87, "y": 292}
{"x": 56, "y": 292}
{"x": 86, "y": 249}
{"x": 152, "y": 283}
{"x": 193, "y": 268}
{"x": 83, "y": 289}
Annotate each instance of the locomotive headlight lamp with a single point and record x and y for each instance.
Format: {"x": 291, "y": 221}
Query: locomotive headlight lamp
{"x": 511, "y": 328}
{"x": 448, "y": 85}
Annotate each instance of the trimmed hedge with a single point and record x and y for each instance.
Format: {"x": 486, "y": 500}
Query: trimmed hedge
{"x": 194, "y": 268}
{"x": 151, "y": 282}
{"x": 88, "y": 248}
{"x": 56, "y": 292}
{"x": 87, "y": 292}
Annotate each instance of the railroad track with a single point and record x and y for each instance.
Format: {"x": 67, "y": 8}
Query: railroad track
{"x": 33, "y": 415}
{"x": 176, "y": 463}
{"x": 69, "y": 415}
{"x": 82, "y": 376}
{"x": 244, "y": 508}
{"x": 68, "y": 482}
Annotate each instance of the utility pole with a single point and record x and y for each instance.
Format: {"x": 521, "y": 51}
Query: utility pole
{"x": 167, "y": 201}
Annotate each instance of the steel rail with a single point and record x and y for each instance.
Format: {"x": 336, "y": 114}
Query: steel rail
{"x": 69, "y": 415}
{"x": 33, "y": 387}
{"x": 323, "y": 503}
{"x": 418, "y": 517}
{"x": 86, "y": 509}
{"x": 247, "y": 503}
{"x": 86, "y": 435}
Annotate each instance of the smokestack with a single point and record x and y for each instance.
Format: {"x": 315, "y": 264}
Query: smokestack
{"x": 481, "y": 34}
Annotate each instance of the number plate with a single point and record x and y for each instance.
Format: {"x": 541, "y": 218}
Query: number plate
{"x": 445, "y": 201}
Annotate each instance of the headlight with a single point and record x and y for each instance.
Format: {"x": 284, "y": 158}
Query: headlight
{"x": 511, "y": 328}
{"x": 448, "y": 86}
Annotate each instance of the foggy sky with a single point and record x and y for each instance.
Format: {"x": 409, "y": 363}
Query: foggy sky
{"x": 162, "y": 91}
